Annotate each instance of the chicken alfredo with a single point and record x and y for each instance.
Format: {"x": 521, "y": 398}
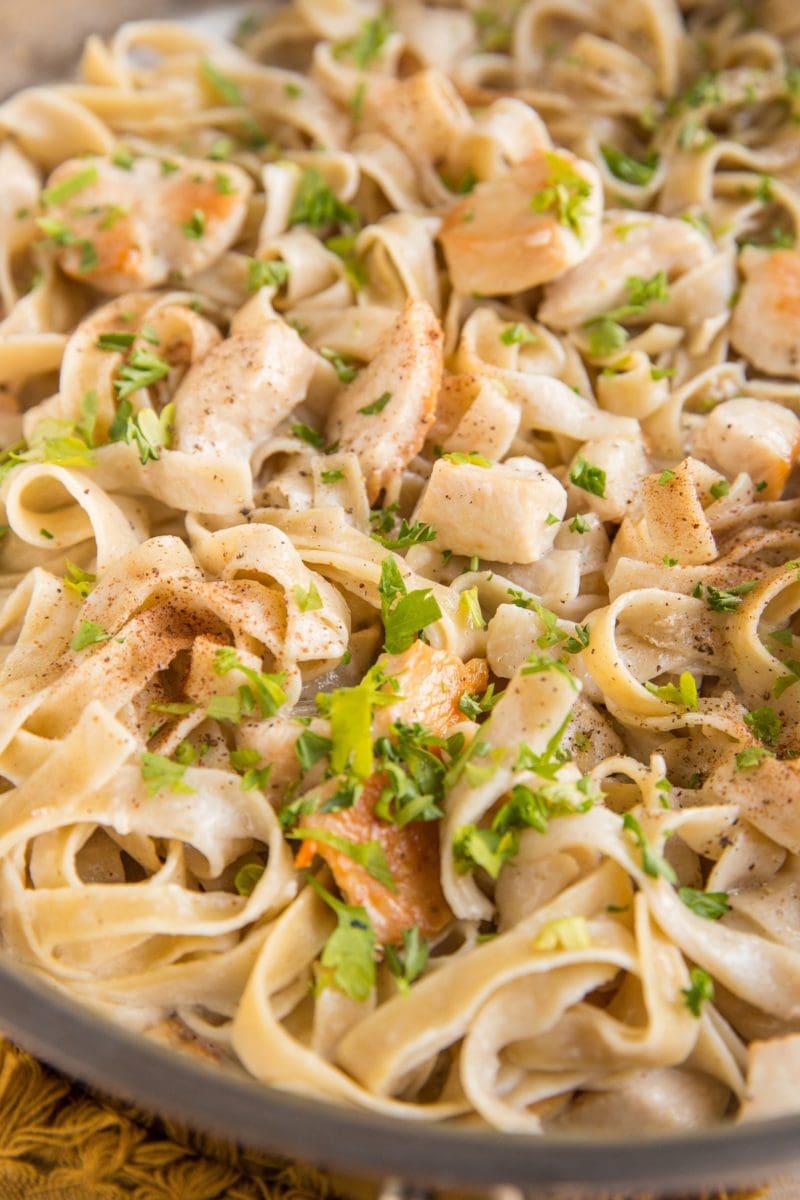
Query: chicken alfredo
{"x": 400, "y": 552}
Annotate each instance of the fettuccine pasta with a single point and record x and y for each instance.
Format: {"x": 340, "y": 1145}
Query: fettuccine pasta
{"x": 400, "y": 552}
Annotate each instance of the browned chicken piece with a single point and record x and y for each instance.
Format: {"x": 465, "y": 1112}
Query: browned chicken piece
{"x": 756, "y": 436}
{"x": 122, "y": 228}
{"x": 525, "y": 228}
{"x": 384, "y": 414}
{"x": 431, "y": 684}
{"x": 765, "y": 327}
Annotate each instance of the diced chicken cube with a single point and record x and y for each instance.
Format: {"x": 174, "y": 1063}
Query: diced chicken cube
{"x": 497, "y": 512}
{"x": 383, "y": 415}
{"x": 525, "y": 228}
{"x": 756, "y": 436}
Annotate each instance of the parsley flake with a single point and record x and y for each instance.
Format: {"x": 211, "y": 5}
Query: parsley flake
{"x": 699, "y": 991}
{"x": 377, "y": 406}
{"x": 408, "y": 964}
{"x": 711, "y": 905}
{"x": 89, "y": 634}
{"x": 160, "y": 772}
{"x": 588, "y": 477}
{"x": 347, "y": 961}
{"x": 405, "y": 614}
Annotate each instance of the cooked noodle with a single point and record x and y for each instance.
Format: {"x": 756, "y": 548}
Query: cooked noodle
{"x": 401, "y": 552}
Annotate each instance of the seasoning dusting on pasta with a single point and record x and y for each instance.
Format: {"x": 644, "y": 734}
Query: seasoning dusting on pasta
{"x": 400, "y": 552}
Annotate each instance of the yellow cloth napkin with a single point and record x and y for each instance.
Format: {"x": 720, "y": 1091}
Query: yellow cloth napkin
{"x": 60, "y": 1142}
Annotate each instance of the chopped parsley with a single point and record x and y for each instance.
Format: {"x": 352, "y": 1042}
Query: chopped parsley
{"x": 408, "y": 964}
{"x": 89, "y": 634}
{"x": 719, "y": 489}
{"x": 369, "y": 855}
{"x": 115, "y": 341}
{"x": 563, "y": 933}
{"x": 377, "y": 406}
{"x": 143, "y": 369}
{"x": 721, "y": 599}
{"x": 308, "y": 599}
{"x": 579, "y": 524}
{"x": 565, "y": 193}
{"x": 365, "y": 47}
{"x": 605, "y": 336}
{"x": 123, "y": 158}
{"x": 333, "y": 476}
{"x": 344, "y": 367}
{"x": 349, "y": 711}
{"x": 78, "y": 581}
{"x": 407, "y": 535}
{"x": 247, "y": 877}
{"x": 528, "y": 808}
{"x": 160, "y": 772}
{"x": 69, "y": 187}
{"x": 469, "y": 604}
{"x": 765, "y": 724}
{"x": 344, "y": 247}
{"x": 473, "y": 459}
{"x": 517, "y": 334}
{"x": 684, "y": 694}
{"x": 224, "y": 87}
{"x": 653, "y": 863}
{"x": 315, "y": 204}
{"x": 627, "y": 168}
{"x": 266, "y": 273}
{"x": 588, "y": 477}
{"x": 405, "y": 614}
{"x": 149, "y": 432}
{"x": 347, "y": 961}
{"x": 262, "y": 691}
{"x": 195, "y": 227}
{"x": 752, "y": 756}
{"x": 786, "y": 681}
{"x": 699, "y": 991}
{"x": 311, "y": 747}
{"x": 711, "y": 905}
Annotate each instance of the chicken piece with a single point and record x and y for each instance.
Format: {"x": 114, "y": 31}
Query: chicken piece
{"x": 526, "y": 227}
{"x": 123, "y": 228}
{"x": 631, "y": 245}
{"x": 772, "y": 1071}
{"x": 232, "y": 399}
{"x": 497, "y": 512}
{"x": 400, "y": 385}
{"x": 756, "y": 436}
{"x": 431, "y": 684}
{"x": 765, "y": 327}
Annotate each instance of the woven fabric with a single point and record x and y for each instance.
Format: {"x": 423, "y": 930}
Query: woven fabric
{"x": 59, "y": 1142}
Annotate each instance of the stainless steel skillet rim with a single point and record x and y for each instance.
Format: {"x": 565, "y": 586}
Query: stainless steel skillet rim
{"x": 93, "y": 1050}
